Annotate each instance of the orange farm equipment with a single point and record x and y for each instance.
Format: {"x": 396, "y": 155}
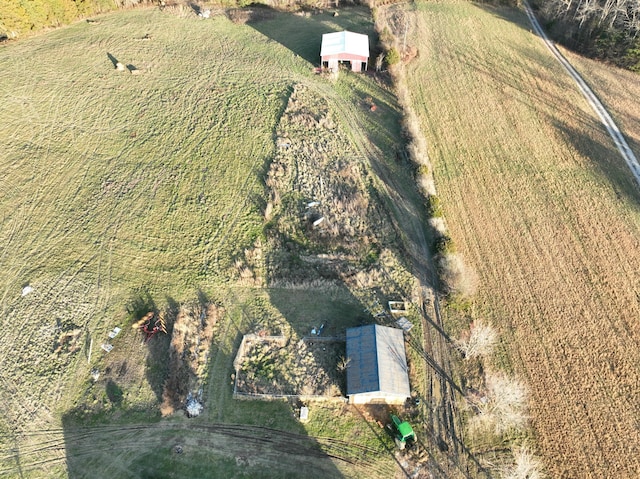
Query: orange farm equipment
{"x": 151, "y": 324}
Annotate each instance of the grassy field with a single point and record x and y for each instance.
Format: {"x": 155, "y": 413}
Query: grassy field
{"x": 123, "y": 193}
{"x": 617, "y": 89}
{"x": 542, "y": 206}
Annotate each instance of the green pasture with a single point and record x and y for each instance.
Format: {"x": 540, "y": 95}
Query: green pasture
{"x": 121, "y": 191}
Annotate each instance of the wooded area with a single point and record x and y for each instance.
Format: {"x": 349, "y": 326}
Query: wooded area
{"x": 18, "y": 17}
{"x": 603, "y": 29}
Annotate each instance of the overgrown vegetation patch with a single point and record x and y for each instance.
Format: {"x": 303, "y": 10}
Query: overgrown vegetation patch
{"x": 275, "y": 366}
{"x": 191, "y": 339}
{"x": 322, "y": 223}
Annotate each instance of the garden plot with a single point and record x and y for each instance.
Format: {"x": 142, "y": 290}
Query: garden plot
{"x": 275, "y": 366}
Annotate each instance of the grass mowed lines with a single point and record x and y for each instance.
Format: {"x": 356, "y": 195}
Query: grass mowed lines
{"x": 117, "y": 185}
{"x": 114, "y": 184}
{"x": 539, "y": 202}
{"x": 124, "y": 191}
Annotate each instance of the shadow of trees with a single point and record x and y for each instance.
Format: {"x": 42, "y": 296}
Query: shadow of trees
{"x": 598, "y": 148}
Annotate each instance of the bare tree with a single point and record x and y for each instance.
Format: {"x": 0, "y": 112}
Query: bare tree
{"x": 586, "y": 11}
{"x": 527, "y": 465}
{"x": 480, "y": 340}
{"x": 502, "y": 408}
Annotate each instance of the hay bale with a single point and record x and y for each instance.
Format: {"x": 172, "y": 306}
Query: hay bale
{"x": 120, "y": 67}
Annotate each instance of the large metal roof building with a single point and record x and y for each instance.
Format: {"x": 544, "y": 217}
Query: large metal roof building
{"x": 345, "y": 47}
{"x": 377, "y": 369}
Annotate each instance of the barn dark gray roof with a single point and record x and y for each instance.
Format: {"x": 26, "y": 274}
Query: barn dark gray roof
{"x": 377, "y": 361}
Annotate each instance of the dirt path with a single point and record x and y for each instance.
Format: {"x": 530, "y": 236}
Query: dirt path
{"x": 444, "y": 422}
{"x": 592, "y": 99}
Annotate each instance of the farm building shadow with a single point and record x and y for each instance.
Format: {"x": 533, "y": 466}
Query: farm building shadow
{"x": 302, "y": 33}
{"x": 255, "y": 439}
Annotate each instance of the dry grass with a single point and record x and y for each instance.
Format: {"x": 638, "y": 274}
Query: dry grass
{"x": 543, "y": 207}
{"x": 457, "y": 278}
{"x": 189, "y": 350}
{"x": 526, "y": 465}
{"x": 618, "y": 90}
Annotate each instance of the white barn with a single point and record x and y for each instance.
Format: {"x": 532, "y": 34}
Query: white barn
{"x": 345, "y": 47}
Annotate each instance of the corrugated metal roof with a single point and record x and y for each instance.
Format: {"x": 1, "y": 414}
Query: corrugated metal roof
{"x": 345, "y": 42}
{"x": 377, "y": 361}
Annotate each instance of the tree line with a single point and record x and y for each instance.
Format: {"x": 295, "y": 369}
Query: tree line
{"x": 19, "y": 17}
{"x": 604, "y": 29}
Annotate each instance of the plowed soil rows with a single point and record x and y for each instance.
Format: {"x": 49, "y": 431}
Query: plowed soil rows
{"x": 540, "y": 203}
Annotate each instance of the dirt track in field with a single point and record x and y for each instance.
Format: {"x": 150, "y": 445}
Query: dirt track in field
{"x": 612, "y": 128}
{"x": 115, "y": 450}
{"x": 443, "y": 439}
{"x": 539, "y": 201}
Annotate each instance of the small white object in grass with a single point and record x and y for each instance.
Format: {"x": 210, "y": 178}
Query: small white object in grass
{"x": 313, "y": 204}
{"x": 194, "y": 408}
{"x": 404, "y": 323}
{"x": 304, "y": 414}
{"x": 115, "y": 332}
{"x": 107, "y": 347}
{"x": 26, "y": 290}
{"x": 318, "y": 221}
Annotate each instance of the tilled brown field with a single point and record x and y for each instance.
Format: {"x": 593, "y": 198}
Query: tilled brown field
{"x": 542, "y": 206}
